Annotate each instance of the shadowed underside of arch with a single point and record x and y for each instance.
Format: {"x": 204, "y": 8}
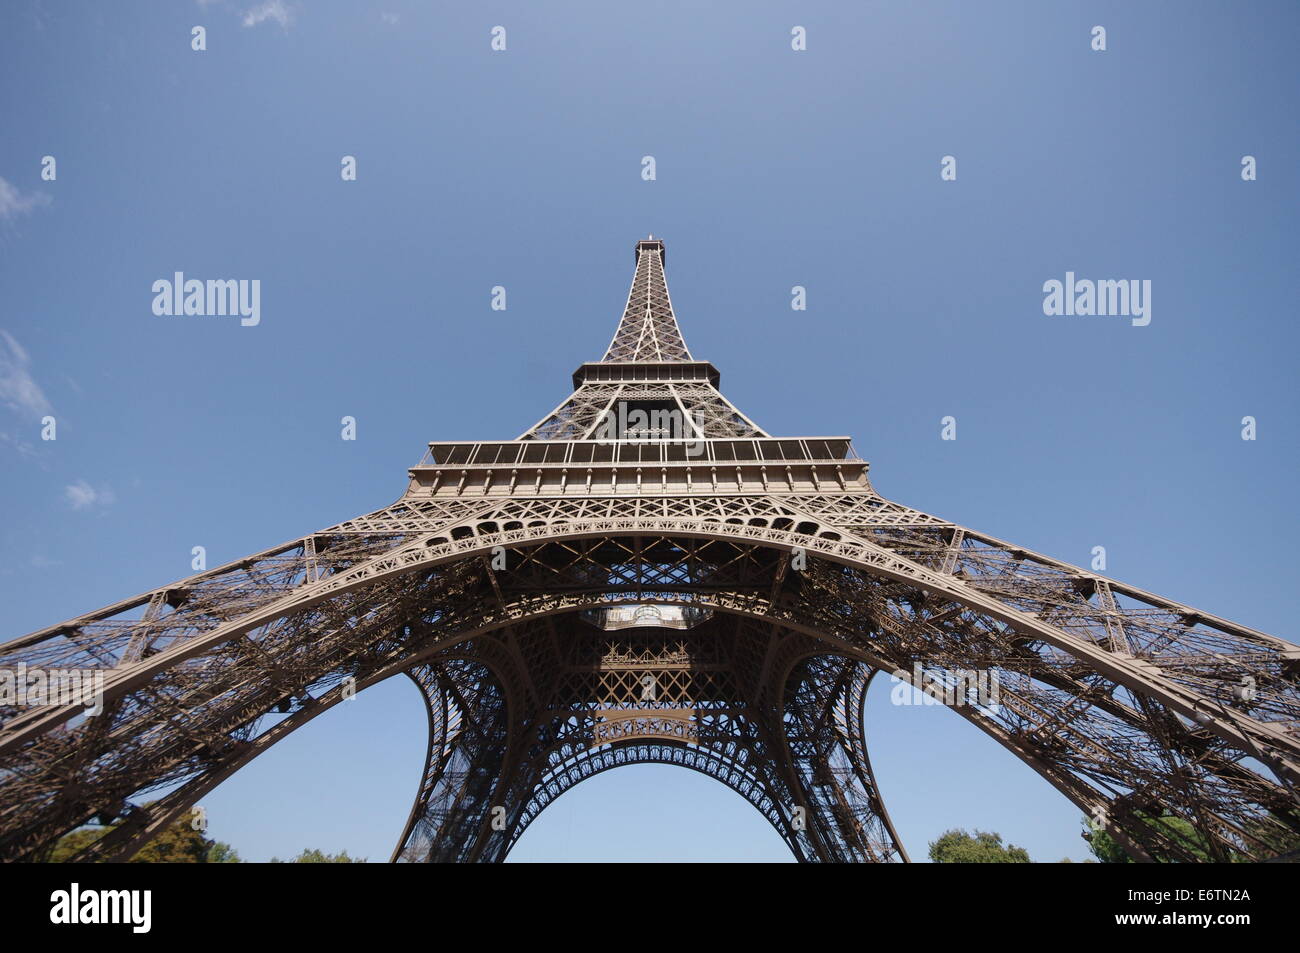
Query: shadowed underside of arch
{"x": 694, "y": 699}
{"x": 646, "y": 574}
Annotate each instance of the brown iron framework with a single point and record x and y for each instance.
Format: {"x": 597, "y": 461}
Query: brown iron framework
{"x": 711, "y": 597}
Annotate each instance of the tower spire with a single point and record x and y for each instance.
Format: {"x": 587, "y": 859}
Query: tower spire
{"x": 647, "y": 369}
{"x": 648, "y": 330}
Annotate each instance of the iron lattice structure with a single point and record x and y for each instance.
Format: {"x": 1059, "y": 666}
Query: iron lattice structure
{"x": 687, "y": 590}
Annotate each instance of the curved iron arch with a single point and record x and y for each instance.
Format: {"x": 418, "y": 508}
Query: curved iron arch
{"x": 438, "y": 550}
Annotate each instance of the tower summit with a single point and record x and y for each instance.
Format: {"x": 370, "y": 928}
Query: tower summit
{"x": 646, "y": 362}
{"x": 648, "y": 331}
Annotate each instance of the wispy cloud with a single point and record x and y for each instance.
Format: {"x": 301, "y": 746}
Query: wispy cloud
{"x": 389, "y": 18}
{"x": 18, "y": 389}
{"x": 14, "y": 203}
{"x": 276, "y": 10}
{"x": 83, "y": 496}
{"x": 23, "y": 447}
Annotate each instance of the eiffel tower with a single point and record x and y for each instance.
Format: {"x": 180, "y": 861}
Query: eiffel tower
{"x": 647, "y": 576}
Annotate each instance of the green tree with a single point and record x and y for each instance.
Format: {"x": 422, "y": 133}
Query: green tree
{"x": 222, "y": 853}
{"x": 1280, "y": 840}
{"x": 177, "y": 844}
{"x": 1108, "y": 850}
{"x": 72, "y": 843}
{"x": 313, "y": 856}
{"x": 982, "y": 847}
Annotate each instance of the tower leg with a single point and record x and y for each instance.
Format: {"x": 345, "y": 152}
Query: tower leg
{"x": 826, "y": 746}
{"x": 469, "y": 734}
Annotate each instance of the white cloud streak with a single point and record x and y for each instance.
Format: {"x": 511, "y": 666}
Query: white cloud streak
{"x": 275, "y": 10}
{"x": 14, "y": 203}
{"x": 18, "y": 389}
{"x": 83, "y": 496}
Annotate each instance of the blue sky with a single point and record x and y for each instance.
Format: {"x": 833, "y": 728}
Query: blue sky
{"x": 522, "y": 168}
